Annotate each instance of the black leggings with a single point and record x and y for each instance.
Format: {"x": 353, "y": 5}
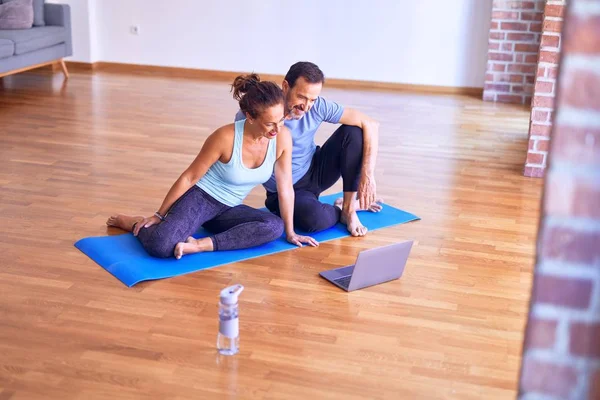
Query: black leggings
{"x": 341, "y": 155}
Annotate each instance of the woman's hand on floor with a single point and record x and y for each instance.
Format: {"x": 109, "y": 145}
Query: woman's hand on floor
{"x": 299, "y": 239}
{"x": 145, "y": 223}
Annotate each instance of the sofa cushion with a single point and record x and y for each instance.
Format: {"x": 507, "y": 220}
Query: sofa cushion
{"x": 38, "y": 11}
{"x": 36, "y": 38}
{"x": 17, "y": 14}
{"x": 7, "y": 48}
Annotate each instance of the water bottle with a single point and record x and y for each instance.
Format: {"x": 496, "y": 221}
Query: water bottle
{"x": 228, "y": 339}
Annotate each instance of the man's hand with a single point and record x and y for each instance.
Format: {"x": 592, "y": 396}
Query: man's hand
{"x": 366, "y": 191}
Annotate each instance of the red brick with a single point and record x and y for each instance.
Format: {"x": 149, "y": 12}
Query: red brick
{"x": 540, "y": 116}
{"x": 534, "y": 172}
{"x": 541, "y": 333}
{"x": 531, "y": 58}
{"x": 564, "y": 244}
{"x": 513, "y": 26}
{"x": 531, "y": 144}
{"x": 493, "y": 46}
{"x": 489, "y": 77}
{"x": 521, "y": 37}
{"x": 504, "y": 77}
{"x": 494, "y": 25}
{"x": 510, "y": 15}
{"x": 527, "y": 99}
{"x": 514, "y": 78}
{"x": 547, "y": 378}
{"x": 527, "y": 47}
{"x": 540, "y": 130}
{"x": 586, "y": 204}
{"x": 577, "y": 144}
{"x": 500, "y": 56}
{"x": 582, "y": 90}
{"x": 544, "y": 87}
{"x": 517, "y": 89}
{"x": 549, "y": 56}
{"x": 507, "y": 47}
{"x": 552, "y": 72}
{"x": 543, "y": 101}
{"x": 530, "y": 79}
{"x": 552, "y": 10}
{"x": 542, "y": 145}
{"x": 595, "y": 385}
{"x": 535, "y": 158}
{"x": 510, "y": 98}
{"x": 528, "y": 89}
{"x": 560, "y": 291}
{"x": 519, "y": 58}
{"x": 523, "y": 68}
{"x": 497, "y": 87}
{"x": 498, "y": 67}
{"x": 541, "y": 72}
{"x": 532, "y": 16}
{"x": 585, "y": 340}
{"x": 535, "y": 27}
{"x": 552, "y": 26}
{"x": 497, "y": 35}
{"x": 550, "y": 41}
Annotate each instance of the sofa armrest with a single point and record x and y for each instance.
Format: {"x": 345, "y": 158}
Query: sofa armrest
{"x": 57, "y": 14}
{"x": 60, "y": 15}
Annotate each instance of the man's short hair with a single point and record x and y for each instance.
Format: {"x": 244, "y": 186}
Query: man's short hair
{"x": 305, "y": 69}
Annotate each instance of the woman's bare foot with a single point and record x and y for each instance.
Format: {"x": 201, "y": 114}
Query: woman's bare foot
{"x": 353, "y": 224}
{"x": 124, "y": 222}
{"x": 374, "y": 207}
{"x": 191, "y": 246}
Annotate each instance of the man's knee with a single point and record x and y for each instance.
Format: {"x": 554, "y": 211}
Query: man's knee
{"x": 353, "y": 135}
{"x": 313, "y": 219}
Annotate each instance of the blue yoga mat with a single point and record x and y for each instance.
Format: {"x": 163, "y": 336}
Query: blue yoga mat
{"x": 125, "y": 258}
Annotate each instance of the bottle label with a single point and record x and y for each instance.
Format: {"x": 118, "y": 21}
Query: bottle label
{"x": 229, "y": 328}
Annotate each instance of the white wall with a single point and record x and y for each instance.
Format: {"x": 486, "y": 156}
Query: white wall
{"x": 431, "y": 42}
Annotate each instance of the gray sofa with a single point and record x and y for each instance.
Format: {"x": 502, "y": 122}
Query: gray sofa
{"x": 24, "y": 49}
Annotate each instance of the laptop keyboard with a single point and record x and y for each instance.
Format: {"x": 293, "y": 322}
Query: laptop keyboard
{"x": 344, "y": 281}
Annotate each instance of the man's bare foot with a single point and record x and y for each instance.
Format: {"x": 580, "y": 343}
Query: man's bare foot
{"x": 191, "y": 246}
{"x": 353, "y": 224}
{"x": 374, "y": 207}
{"x": 124, "y": 222}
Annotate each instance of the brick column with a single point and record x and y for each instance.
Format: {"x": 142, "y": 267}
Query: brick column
{"x": 545, "y": 89}
{"x": 513, "y": 50}
{"x": 561, "y": 352}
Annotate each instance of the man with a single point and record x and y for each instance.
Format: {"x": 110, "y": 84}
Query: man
{"x": 350, "y": 152}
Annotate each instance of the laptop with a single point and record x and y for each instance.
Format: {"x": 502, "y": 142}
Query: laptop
{"x": 372, "y": 267}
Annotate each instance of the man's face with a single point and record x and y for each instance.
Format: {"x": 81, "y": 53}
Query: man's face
{"x": 300, "y": 98}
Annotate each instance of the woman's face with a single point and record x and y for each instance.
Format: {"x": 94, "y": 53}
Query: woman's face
{"x": 270, "y": 121}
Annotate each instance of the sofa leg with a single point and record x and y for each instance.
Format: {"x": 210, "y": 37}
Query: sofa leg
{"x": 64, "y": 68}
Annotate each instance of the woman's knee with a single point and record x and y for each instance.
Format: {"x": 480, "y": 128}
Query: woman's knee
{"x": 271, "y": 227}
{"x": 157, "y": 244}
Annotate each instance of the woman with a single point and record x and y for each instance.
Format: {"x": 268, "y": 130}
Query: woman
{"x": 209, "y": 193}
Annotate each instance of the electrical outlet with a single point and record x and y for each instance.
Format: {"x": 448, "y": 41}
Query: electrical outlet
{"x": 134, "y": 29}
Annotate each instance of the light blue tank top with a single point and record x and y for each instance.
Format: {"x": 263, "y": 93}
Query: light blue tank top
{"x": 230, "y": 183}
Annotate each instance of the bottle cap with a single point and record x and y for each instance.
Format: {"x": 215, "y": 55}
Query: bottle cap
{"x": 230, "y": 294}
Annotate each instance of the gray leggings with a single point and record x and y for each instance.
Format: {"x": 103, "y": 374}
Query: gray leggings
{"x": 236, "y": 227}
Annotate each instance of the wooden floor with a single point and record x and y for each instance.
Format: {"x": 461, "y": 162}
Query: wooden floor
{"x": 72, "y": 154}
